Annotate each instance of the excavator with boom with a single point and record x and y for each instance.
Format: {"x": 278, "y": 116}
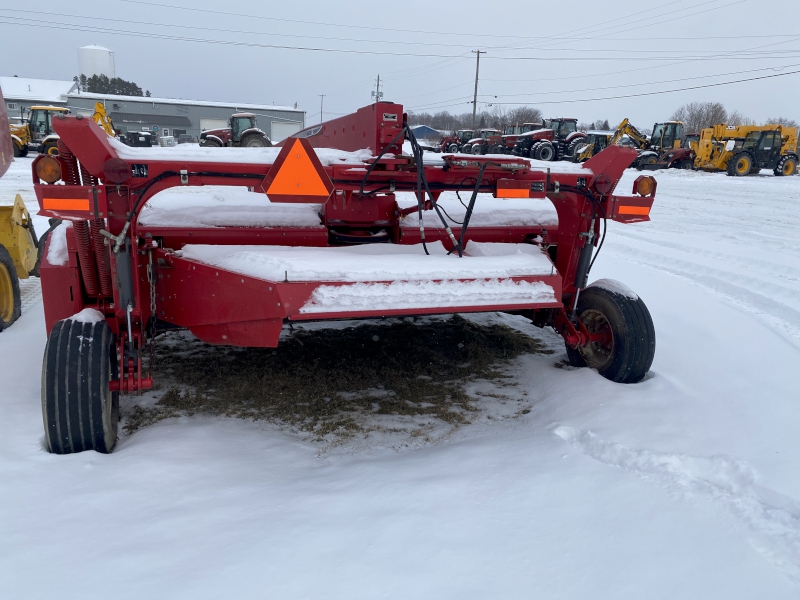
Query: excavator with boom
{"x": 665, "y": 149}
{"x": 662, "y": 150}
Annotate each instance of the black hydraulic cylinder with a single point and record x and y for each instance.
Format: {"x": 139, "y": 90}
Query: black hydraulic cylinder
{"x": 582, "y": 272}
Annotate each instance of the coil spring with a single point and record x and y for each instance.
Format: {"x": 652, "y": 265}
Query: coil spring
{"x": 69, "y": 163}
{"x": 101, "y": 254}
{"x": 86, "y": 257}
{"x": 87, "y": 178}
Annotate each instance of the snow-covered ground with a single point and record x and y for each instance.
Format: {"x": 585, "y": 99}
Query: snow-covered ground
{"x": 686, "y": 485}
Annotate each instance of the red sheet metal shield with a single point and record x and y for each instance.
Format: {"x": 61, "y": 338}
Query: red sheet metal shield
{"x": 297, "y": 175}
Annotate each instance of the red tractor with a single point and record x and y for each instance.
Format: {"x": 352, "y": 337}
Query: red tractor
{"x": 242, "y": 131}
{"x": 558, "y": 140}
{"x": 112, "y": 281}
{"x": 511, "y": 134}
{"x": 457, "y": 141}
{"x": 486, "y": 140}
{"x": 492, "y": 141}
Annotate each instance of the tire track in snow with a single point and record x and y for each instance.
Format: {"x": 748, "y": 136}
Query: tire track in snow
{"x": 786, "y": 271}
{"x": 735, "y": 287}
{"x": 771, "y": 519}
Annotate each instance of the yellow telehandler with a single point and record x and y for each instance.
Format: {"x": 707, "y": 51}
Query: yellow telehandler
{"x": 746, "y": 149}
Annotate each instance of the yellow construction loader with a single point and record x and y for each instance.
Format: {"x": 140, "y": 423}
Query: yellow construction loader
{"x": 18, "y": 243}
{"x": 36, "y": 132}
{"x": 746, "y": 149}
{"x": 594, "y": 142}
{"x": 662, "y": 150}
{"x": 18, "y": 257}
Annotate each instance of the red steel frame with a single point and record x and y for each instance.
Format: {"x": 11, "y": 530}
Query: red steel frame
{"x": 223, "y": 307}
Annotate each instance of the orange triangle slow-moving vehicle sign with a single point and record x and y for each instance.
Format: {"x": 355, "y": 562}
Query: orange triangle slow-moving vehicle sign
{"x": 297, "y": 175}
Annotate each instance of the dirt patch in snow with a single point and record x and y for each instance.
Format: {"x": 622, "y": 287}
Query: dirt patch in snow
{"x": 408, "y": 377}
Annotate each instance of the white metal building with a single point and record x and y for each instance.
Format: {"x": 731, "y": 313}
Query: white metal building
{"x": 167, "y": 116}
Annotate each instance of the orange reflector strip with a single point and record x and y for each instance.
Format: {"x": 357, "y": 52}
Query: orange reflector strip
{"x": 512, "y": 193}
{"x": 633, "y": 210}
{"x": 65, "y": 204}
{"x": 298, "y": 176}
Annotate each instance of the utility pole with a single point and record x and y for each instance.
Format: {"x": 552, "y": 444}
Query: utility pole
{"x": 321, "y": 98}
{"x": 377, "y": 95}
{"x": 475, "y": 97}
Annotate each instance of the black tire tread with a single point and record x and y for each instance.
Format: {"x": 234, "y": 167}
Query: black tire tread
{"x": 75, "y": 373}
{"x": 781, "y": 162}
{"x": 8, "y": 263}
{"x": 731, "y": 166}
{"x": 634, "y": 341}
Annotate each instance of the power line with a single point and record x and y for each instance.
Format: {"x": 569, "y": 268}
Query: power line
{"x": 24, "y": 22}
{"x": 456, "y": 101}
{"x": 295, "y": 35}
{"x": 349, "y": 26}
{"x": 627, "y": 85}
{"x": 697, "y": 87}
{"x": 236, "y": 31}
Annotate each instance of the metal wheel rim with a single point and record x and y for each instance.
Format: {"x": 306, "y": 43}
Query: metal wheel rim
{"x": 743, "y": 166}
{"x": 597, "y": 354}
{"x": 788, "y": 168}
{"x": 6, "y": 295}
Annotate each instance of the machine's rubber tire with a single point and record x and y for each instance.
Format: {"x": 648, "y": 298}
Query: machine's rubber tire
{"x": 50, "y": 150}
{"x": 545, "y": 151}
{"x": 686, "y": 165}
{"x": 453, "y": 148}
{"x": 210, "y": 144}
{"x": 10, "y": 301}
{"x": 17, "y": 150}
{"x": 787, "y": 166}
{"x": 79, "y": 411}
{"x": 740, "y": 164}
{"x": 574, "y": 145}
{"x": 254, "y": 141}
{"x": 476, "y": 149}
{"x": 633, "y": 344}
{"x": 497, "y": 149}
{"x": 647, "y": 159}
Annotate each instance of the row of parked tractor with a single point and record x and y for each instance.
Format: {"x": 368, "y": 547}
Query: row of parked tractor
{"x": 735, "y": 149}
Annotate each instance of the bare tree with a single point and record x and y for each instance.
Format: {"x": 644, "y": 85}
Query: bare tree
{"x": 524, "y": 114}
{"x": 699, "y": 115}
{"x": 445, "y": 121}
{"x": 737, "y": 118}
{"x": 784, "y": 121}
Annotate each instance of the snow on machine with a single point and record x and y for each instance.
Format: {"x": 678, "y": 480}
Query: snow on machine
{"x": 325, "y": 236}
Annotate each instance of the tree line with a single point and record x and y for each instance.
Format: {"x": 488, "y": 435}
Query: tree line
{"x": 695, "y": 115}
{"x": 101, "y": 84}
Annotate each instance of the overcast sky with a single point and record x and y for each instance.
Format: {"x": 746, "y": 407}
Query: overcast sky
{"x": 542, "y": 54}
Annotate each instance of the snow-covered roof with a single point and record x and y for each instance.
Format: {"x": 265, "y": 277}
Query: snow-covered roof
{"x": 37, "y": 90}
{"x": 181, "y": 101}
{"x": 95, "y": 47}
